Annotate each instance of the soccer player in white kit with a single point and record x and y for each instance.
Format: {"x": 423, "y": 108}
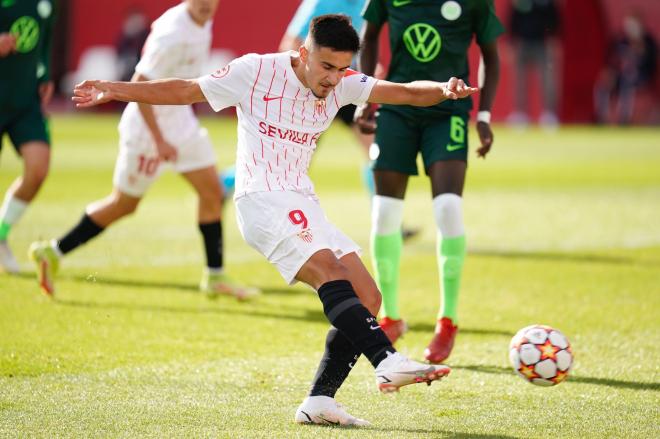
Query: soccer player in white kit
{"x": 151, "y": 136}
{"x": 284, "y": 103}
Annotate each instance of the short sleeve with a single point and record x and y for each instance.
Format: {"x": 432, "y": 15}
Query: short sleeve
{"x": 487, "y": 27}
{"x": 227, "y": 87}
{"x": 375, "y": 12}
{"x": 157, "y": 58}
{"x": 299, "y": 26}
{"x": 356, "y": 88}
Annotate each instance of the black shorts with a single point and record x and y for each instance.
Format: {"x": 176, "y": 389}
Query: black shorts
{"x": 346, "y": 114}
{"x": 25, "y": 125}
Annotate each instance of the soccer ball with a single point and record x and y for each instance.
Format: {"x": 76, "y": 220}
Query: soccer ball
{"x": 541, "y": 355}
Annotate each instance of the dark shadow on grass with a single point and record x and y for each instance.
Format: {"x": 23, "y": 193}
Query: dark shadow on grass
{"x": 307, "y": 315}
{"x": 428, "y": 327}
{"x": 633, "y": 385}
{"x": 554, "y": 256}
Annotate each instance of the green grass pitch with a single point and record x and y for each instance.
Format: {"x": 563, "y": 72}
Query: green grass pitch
{"x": 563, "y": 229}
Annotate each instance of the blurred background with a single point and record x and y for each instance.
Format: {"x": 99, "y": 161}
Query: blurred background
{"x": 561, "y": 59}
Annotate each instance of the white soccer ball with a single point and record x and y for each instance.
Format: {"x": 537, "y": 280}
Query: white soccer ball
{"x": 541, "y": 355}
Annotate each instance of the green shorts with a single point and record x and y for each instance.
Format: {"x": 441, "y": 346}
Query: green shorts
{"x": 26, "y": 125}
{"x": 400, "y": 138}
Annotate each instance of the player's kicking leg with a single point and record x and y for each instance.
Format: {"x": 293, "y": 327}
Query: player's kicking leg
{"x": 98, "y": 216}
{"x": 214, "y": 280}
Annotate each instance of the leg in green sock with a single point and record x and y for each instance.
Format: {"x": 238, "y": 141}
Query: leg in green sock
{"x": 4, "y": 230}
{"x": 451, "y": 254}
{"x": 386, "y": 251}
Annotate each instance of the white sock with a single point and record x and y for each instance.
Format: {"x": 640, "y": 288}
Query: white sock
{"x": 448, "y": 212}
{"x": 12, "y": 209}
{"x": 56, "y": 247}
{"x": 386, "y": 215}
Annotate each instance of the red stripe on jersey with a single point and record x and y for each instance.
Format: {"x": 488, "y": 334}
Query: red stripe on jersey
{"x": 302, "y": 122}
{"x": 267, "y": 184}
{"x": 255, "y": 84}
{"x": 295, "y": 99}
{"x": 350, "y": 72}
{"x": 262, "y": 148}
{"x": 269, "y": 87}
{"x": 254, "y": 158}
{"x": 269, "y": 167}
{"x": 334, "y": 96}
{"x": 248, "y": 169}
{"x": 279, "y": 119}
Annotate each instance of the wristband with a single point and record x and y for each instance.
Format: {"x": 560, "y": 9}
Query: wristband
{"x": 483, "y": 116}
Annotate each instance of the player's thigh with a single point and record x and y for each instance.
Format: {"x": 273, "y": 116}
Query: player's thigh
{"x": 288, "y": 228}
{"x": 136, "y": 168}
{"x": 445, "y": 152}
{"x": 397, "y": 143}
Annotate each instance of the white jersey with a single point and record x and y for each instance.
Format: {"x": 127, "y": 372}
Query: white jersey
{"x": 176, "y": 47}
{"x": 279, "y": 119}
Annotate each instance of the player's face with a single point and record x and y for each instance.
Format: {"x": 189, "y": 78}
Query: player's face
{"x": 202, "y": 10}
{"x": 324, "y": 68}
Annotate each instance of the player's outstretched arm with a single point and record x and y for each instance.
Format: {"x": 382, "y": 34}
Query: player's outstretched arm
{"x": 419, "y": 93}
{"x": 158, "y": 92}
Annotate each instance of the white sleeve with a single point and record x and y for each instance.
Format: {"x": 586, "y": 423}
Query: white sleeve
{"x": 157, "y": 58}
{"x": 356, "y": 88}
{"x": 228, "y": 86}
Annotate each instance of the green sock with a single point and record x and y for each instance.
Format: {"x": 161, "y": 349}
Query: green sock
{"x": 4, "y": 230}
{"x": 451, "y": 254}
{"x": 386, "y": 254}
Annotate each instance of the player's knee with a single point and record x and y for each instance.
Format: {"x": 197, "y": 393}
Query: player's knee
{"x": 335, "y": 270}
{"x": 386, "y": 215}
{"x": 448, "y": 213}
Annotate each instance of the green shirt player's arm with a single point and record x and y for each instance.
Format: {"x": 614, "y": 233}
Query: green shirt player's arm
{"x": 43, "y": 68}
{"x": 171, "y": 91}
{"x": 487, "y": 28}
{"x": 375, "y": 15}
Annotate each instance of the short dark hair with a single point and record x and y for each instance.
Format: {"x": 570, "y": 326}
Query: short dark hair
{"x": 335, "y": 32}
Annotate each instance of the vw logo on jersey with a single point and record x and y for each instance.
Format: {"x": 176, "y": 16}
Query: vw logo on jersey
{"x": 44, "y": 9}
{"x": 27, "y": 30}
{"x": 451, "y": 10}
{"x": 422, "y": 41}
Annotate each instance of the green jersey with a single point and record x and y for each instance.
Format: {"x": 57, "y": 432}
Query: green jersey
{"x": 429, "y": 39}
{"x": 24, "y": 69}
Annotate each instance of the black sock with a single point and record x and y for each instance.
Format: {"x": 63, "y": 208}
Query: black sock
{"x": 346, "y": 313}
{"x": 85, "y": 230}
{"x": 338, "y": 359}
{"x": 212, "y": 233}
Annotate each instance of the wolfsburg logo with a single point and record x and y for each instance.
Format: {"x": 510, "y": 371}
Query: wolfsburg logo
{"x": 422, "y": 41}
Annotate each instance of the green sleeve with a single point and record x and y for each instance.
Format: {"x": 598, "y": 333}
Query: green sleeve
{"x": 487, "y": 27}
{"x": 375, "y": 12}
{"x": 43, "y": 68}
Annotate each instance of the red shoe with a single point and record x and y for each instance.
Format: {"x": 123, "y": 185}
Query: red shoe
{"x": 393, "y": 328}
{"x": 443, "y": 341}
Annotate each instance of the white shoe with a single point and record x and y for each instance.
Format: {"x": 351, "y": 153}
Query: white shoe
{"x": 7, "y": 260}
{"x": 327, "y": 411}
{"x": 397, "y": 371}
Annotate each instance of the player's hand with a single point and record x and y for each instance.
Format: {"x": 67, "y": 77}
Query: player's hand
{"x": 365, "y": 118}
{"x": 91, "y": 93}
{"x": 46, "y": 92}
{"x": 7, "y": 44}
{"x": 166, "y": 152}
{"x": 486, "y": 138}
{"x": 457, "y": 89}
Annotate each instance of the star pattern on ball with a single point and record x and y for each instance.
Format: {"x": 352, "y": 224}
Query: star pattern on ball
{"x": 548, "y": 350}
{"x": 528, "y": 371}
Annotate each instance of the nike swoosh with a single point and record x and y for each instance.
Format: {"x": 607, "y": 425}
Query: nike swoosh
{"x": 418, "y": 372}
{"x": 399, "y": 3}
{"x": 271, "y": 98}
{"x": 373, "y": 328}
{"x": 326, "y": 420}
{"x": 451, "y": 147}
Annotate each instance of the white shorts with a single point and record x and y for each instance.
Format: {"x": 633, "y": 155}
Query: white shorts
{"x": 288, "y": 228}
{"x": 138, "y": 165}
